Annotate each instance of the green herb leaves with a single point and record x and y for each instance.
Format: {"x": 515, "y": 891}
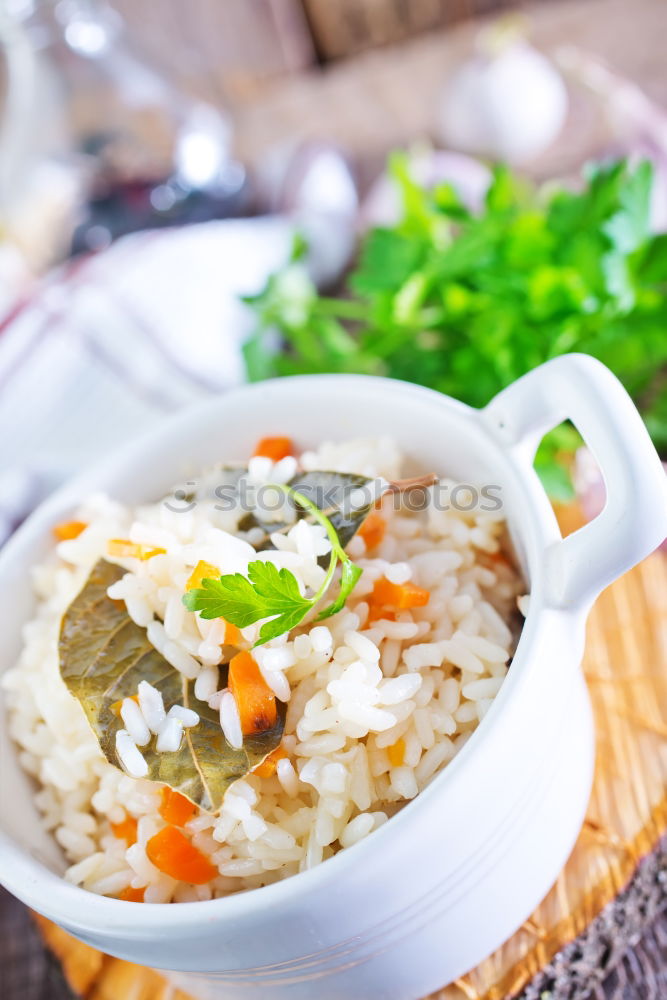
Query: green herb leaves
{"x": 467, "y": 303}
{"x": 104, "y": 655}
{"x": 267, "y": 592}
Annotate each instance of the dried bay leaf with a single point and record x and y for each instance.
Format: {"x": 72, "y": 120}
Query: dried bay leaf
{"x": 104, "y": 655}
{"x": 331, "y": 492}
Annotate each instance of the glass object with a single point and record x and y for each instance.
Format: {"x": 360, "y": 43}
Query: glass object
{"x": 148, "y": 155}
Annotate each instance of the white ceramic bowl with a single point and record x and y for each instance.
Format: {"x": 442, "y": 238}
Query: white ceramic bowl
{"x": 446, "y": 881}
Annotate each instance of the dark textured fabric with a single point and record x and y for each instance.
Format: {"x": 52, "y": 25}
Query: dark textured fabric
{"x": 28, "y": 971}
{"x": 643, "y": 970}
{"x": 621, "y": 956}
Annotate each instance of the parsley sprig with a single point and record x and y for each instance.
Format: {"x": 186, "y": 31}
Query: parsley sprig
{"x": 272, "y": 593}
{"x": 467, "y": 302}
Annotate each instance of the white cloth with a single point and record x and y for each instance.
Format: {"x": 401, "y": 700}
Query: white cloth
{"x": 108, "y": 345}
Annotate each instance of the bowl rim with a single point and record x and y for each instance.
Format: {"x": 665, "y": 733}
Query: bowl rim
{"x": 48, "y": 892}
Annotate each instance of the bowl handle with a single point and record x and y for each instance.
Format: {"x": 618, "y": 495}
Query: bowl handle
{"x": 634, "y": 519}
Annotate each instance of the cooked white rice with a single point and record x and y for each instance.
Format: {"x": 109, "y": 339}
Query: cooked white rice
{"x": 353, "y": 691}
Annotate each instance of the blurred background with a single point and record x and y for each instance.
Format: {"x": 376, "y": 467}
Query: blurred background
{"x": 158, "y": 162}
{"x": 197, "y": 194}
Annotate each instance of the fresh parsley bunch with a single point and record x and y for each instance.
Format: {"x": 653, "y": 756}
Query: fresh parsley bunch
{"x": 466, "y": 303}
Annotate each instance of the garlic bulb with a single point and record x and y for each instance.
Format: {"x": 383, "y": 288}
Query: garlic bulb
{"x": 507, "y": 102}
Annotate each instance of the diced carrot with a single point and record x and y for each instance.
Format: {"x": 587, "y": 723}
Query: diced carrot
{"x": 398, "y": 595}
{"x": 372, "y": 530}
{"x": 268, "y": 766}
{"x": 175, "y": 808}
{"x": 396, "y": 752}
{"x": 172, "y": 853}
{"x": 202, "y": 571}
{"x": 131, "y": 895}
{"x": 67, "y": 530}
{"x": 274, "y": 448}
{"x": 254, "y": 698}
{"x": 376, "y": 613}
{"x": 123, "y": 548}
{"x": 126, "y": 830}
{"x": 498, "y": 557}
{"x": 233, "y": 635}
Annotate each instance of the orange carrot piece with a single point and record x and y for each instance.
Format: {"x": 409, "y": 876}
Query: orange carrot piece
{"x": 131, "y": 895}
{"x": 233, "y": 635}
{"x": 67, "y": 530}
{"x": 396, "y": 752}
{"x": 175, "y": 808}
{"x": 123, "y": 548}
{"x": 399, "y": 595}
{"x": 373, "y": 529}
{"x": 274, "y": 448}
{"x": 255, "y": 700}
{"x": 172, "y": 853}
{"x": 148, "y": 553}
{"x": 499, "y": 557}
{"x": 376, "y": 613}
{"x": 202, "y": 571}
{"x": 126, "y": 830}
{"x": 268, "y": 766}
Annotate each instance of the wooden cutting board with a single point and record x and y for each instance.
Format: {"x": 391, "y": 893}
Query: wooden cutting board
{"x": 626, "y": 670}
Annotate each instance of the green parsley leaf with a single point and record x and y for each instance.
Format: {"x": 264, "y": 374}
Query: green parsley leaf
{"x": 282, "y": 624}
{"x": 267, "y": 592}
{"x": 232, "y": 597}
{"x": 467, "y": 303}
{"x": 276, "y": 585}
